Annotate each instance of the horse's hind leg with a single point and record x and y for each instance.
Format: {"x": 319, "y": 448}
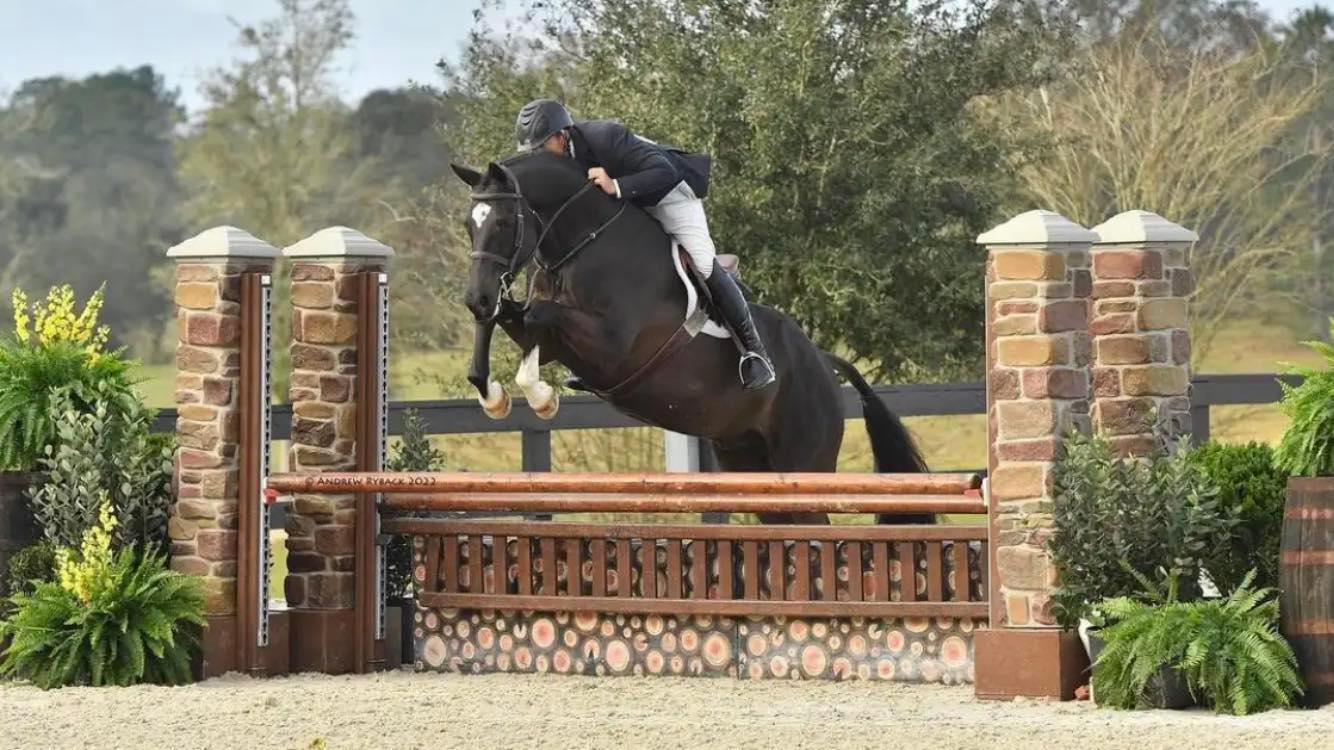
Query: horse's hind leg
{"x": 756, "y": 455}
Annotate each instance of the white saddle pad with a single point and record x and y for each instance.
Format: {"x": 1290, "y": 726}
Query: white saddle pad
{"x": 692, "y": 298}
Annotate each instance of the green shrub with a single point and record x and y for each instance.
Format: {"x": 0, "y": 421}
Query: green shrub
{"x": 38, "y": 383}
{"x": 109, "y": 451}
{"x": 113, "y": 618}
{"x": 30, "y": 566}
{"x": 413, "y": 453}
{"x": 1253, "y": 487}
{"x": 1229, "y": 650}
{"x": 1117, "y": 517}
{"x": 1307, "y": 448}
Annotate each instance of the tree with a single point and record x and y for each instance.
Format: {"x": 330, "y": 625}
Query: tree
{"x": 1202, "y": 25}
{"x": 1310, "y": 39}
{"x": 88, "y": 192}
{"x": 397, "y": 129}
{"x": 274, "y": 153}
{"x": 850, "y": 169}
{"x": 1204, "y": 138}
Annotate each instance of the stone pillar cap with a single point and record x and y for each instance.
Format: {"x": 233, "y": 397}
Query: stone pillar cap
{"x": 223, "y": 243}
{"x": 338, "y": 242}
{"x": 1039, "y": 227}
{"x": 1138, "y": 226}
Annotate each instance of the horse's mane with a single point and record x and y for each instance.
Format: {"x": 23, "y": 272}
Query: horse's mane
{"x": 545, "y": 179}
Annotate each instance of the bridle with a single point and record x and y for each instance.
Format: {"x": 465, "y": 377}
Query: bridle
{"x": 522, "y": 256}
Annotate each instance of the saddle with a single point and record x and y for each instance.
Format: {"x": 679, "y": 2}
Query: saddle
{"x": 729, "y": 263}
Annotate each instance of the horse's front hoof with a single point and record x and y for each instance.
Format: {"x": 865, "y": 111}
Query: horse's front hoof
{"x": 548, "y": 409}
{"x": 497, "y": 403}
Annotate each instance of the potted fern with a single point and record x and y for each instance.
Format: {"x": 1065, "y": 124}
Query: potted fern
{"x": 1225, "y": 653}
{"x": 1306, "y": 453}
{"x": 112, "y": 617}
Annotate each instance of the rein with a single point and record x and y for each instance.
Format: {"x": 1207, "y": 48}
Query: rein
{"x": 521, "y": 256}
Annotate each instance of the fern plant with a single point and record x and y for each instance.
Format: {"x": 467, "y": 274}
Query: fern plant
{"x": 39, "y": 382}
{"x": 112, "y": 618}
{"x": 1229, "y": 650}
{"x": 1307, "y": 447}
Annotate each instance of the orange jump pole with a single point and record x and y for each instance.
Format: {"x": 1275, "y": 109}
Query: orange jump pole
{"x": 624, "y": 483}
{"x": 573, "y": 502}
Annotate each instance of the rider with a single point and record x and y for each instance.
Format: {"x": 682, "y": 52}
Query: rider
{"x": 667, "y": 183}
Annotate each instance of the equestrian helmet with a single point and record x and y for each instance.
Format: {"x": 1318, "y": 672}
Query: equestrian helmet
{"x": 539, "y": 120}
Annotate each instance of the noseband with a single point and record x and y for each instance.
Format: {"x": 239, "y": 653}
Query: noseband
{"x": 521, "y": 256}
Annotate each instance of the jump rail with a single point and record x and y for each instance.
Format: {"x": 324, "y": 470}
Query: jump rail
{"x": 660, "y": 484}
{"x": 574, "y": 502}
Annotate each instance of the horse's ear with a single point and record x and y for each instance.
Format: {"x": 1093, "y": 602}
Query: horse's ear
{"x": 496, "y": 174}
{"x": 471, "y": 176}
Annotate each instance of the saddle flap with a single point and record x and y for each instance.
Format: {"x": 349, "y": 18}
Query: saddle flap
{"x": 729, "y": 263}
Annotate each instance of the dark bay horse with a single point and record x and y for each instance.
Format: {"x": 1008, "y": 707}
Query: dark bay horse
{"x": 606, "y": 302}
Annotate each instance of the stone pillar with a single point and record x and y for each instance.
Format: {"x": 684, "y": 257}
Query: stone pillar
{"x": 321, "y": 528}
{"x": 209, "y": 319}
{"x": 1038, "y": 353}
{"x": 1141, "y": 368}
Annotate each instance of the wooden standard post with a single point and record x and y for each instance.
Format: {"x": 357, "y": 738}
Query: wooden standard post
{"x": 337, "y": 355}
{"x": 1038, "y": 353}
{"x": 217, "y": 526}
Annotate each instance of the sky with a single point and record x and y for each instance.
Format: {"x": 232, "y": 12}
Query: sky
{"x": 397, "y": 40}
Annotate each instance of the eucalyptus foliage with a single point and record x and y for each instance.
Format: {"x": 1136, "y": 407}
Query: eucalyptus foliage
{"x": 111, "y": 451}
{"x": 1118, "y": 518}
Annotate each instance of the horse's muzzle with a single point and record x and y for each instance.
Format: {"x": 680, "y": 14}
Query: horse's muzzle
{"x": 481, "y": 306}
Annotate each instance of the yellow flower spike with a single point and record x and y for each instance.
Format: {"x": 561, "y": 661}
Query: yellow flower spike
{"x": 19, "y": 301}
{"x": 89, "y": 576}
{"x": 57, "y": 319}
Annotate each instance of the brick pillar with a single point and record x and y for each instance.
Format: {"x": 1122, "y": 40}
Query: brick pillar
{"x": 321, "y": 528}
{"x": 1141, "y": 369}
{"x": 203, "y": 523}
{"x": 1038, "y": 353}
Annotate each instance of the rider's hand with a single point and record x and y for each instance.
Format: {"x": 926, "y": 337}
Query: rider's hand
{"x": 603, "y": 180}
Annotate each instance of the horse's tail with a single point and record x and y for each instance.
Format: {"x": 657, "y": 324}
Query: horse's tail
{"x": 892, "y": 444}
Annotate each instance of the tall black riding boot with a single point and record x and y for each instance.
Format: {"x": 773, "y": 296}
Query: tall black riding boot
{"x": 756, "y": 369}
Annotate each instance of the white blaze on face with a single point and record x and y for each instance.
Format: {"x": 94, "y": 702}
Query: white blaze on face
{"x": 479, "y": 213}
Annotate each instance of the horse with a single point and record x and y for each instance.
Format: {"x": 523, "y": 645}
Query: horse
{"x": 606, "y": 301}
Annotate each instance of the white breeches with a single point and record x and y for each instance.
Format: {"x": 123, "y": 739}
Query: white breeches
{"x": 682, "y": 216}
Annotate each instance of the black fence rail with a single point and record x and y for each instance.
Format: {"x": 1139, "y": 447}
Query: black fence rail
{"x": 464, "y": 416}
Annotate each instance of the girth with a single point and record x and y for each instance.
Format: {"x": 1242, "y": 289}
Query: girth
{"x": 683, "y": 335}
